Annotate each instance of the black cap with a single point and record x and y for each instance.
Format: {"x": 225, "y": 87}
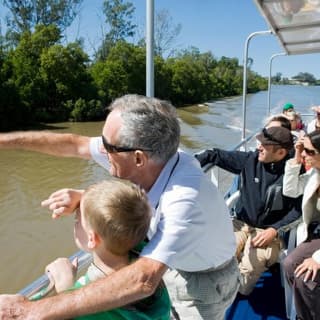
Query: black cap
{"x": 276, "y": 136}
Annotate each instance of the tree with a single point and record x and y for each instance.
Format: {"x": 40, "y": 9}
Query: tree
{"x": 165, "y": 34}
{"x": 47, "y": 75}
{"x": 12, "y": 113}
{"x": 119, "y": 19}
{"x": 123, "y": 71}
{"x": 190, "y": 77}
{"x": 226, "y": 78}
{"x": 64, "y": 77}
{"x": 305, "y": 77}
{"x": 277, "y": 78}
{"x": 25, "y": 60}
{"x": 26, "y": 14}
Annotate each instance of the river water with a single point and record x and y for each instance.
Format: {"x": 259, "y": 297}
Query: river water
{"x": 29, "y": 238}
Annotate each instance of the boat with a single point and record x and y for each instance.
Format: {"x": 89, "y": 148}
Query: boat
{"x": 297, "y": 32}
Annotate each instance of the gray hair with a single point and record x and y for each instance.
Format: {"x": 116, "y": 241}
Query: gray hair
{"x": 148, "y": 123}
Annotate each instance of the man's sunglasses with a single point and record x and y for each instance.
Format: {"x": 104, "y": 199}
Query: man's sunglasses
{"x": 110, "y": 148}
{"x": 310, "y": 152}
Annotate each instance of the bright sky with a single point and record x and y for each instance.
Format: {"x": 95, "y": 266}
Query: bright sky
{"x": 219, "y": 26}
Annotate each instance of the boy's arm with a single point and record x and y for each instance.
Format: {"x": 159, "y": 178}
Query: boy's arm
{"x": 56, "y": 144}
{"x": 134, "y": 282}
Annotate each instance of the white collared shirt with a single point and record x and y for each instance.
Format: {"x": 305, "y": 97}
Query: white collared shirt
{"x": 191, "y": 229}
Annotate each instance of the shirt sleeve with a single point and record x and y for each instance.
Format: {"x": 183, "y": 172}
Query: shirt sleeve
{"x": 99, "y": 157}
{"x": 316, "y": 256}
{"x": 293, "y": 182}
{"x": 232, "y": 161}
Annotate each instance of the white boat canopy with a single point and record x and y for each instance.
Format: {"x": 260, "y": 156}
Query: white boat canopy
{"x": 296, "y": 23}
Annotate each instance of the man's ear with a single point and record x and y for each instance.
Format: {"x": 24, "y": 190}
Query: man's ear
{"x": 141, "y": 158}
{"x": 282, "y": 152}
{"x": 93, "y": 239}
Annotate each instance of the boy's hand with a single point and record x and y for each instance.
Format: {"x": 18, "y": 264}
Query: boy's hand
{"x": 63, "y": 273}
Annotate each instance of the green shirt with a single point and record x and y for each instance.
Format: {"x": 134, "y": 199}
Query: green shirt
{"x": 156, "y": 307}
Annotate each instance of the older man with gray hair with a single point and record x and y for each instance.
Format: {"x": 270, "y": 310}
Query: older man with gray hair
{"x": 190, "y": 237}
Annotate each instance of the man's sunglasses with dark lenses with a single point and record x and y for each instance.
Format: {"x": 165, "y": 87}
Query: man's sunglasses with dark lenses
{"x": 310, "y": 152}
{"x": 110, "y": 148}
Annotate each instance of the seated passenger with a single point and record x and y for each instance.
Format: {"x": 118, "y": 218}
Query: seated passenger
{"x": 262, "y": 210}
{"x": 113, "y": 218}
{"x": 278, "y": 121}
{"x": 303, "y": 264}
{"x": 296, "y": 125}
{"x": 289, "y": 111}
{"x": 315, "y": 123}
{"x": 288, "y": 108}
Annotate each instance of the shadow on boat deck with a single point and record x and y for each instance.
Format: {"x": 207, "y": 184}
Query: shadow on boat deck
{"x": 266, "y": 302}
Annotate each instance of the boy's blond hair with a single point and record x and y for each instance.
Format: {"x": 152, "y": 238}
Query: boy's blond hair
{"x": 119, "y": 212}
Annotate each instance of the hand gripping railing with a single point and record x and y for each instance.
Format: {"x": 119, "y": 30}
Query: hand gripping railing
{"x": 42, "y": 285}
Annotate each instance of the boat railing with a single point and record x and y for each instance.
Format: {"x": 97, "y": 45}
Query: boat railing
{"x": 41, "y": 286}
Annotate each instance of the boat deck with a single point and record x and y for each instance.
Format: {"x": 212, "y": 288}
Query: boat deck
{"x": 266, "y": 302}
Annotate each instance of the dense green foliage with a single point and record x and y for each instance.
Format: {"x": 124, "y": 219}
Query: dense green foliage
{"x": 27, "y": 14}
{"x": 42, "y": 80}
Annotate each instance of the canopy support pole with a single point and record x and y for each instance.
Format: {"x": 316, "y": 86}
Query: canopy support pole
{"x": 244, "y": 91}
{"x": 150, "y": 48}
{"x": 269, "y": 81}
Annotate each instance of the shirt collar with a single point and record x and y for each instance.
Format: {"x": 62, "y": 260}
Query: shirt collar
{"x": 158, "y": 187}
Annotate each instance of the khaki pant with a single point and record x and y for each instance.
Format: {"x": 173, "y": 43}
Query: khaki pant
{"x": 253, "y": 261}
{"x": 203, "y": 295}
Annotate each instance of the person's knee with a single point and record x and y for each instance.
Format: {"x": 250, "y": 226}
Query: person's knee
{"x": 246, "y": 285}
{"x": 288, "y": 265}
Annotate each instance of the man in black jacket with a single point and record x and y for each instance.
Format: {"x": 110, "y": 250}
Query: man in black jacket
{"x": 262, "y": 210}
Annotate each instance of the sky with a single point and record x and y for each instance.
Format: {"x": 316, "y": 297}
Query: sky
{"x": 219, "y": 26}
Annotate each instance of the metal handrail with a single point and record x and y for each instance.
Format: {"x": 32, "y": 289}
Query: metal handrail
{"x": 43, "y": 282}
{"x": 245, "y": 87}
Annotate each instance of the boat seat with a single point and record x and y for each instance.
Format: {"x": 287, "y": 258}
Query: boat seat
{"x": 296, "y": 239}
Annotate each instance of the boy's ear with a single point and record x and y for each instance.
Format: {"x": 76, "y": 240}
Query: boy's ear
{"x": 93, "y": 239}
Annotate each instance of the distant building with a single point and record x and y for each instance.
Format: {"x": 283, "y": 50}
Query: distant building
{"x": 299, "y": 82}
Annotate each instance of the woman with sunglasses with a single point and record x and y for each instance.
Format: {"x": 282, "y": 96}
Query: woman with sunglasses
{"x": 303, "y": 264}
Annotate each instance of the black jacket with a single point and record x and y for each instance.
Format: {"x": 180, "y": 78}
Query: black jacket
{"x": 261, "y": 202}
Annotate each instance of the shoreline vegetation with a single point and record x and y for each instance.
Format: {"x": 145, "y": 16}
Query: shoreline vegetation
{"x": 43, "y": 80}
